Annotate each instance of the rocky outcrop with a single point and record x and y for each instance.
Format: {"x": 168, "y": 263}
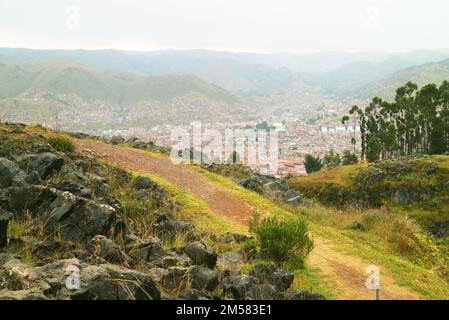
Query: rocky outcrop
{"x": 201, "y": 254}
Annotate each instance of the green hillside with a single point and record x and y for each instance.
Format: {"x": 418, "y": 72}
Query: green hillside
{"x": 66, "y": 77}
{"x": 423, "y": 74}
{"x": 417, "y": 186}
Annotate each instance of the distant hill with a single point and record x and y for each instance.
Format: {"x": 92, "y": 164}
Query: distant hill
{"x": 67, "y": 77}
{"x": 246, "y": 74}
{"x": 78, "y": 98}
{"x": 423, "y": 74}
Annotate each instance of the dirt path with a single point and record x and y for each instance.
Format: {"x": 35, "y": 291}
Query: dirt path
{"x": 346, "y": 271}
{"x": 218, "y": 200}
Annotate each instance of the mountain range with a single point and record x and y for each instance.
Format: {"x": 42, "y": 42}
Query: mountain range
{"x": 248, "y": 74}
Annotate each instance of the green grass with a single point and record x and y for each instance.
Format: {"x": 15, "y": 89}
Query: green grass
{"x": 257, "y": 202}
{"x": 332, "y": 225}
{"x": 420, "y": 279}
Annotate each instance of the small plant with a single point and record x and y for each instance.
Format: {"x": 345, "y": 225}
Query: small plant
{"x": 287, "y": 241}
{"x": 62, "y": 143}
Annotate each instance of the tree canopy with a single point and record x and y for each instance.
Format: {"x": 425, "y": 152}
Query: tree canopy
{"x": 417, "y": 121}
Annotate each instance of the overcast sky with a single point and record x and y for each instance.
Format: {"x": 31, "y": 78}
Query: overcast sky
{"x": 236, "y": 25}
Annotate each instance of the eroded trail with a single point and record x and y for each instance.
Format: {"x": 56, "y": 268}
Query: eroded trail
{"x": 347, "y": 272}
{"x": 220, "y": 201}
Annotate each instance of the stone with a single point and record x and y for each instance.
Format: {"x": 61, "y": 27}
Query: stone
{"x": 45, "y": 163}
{"x": 21, "y": 295}
{"x": 194, "y": 294}
{"x": 8, "y": 171}
{"x": 204, "y": 278}
{"x": 117, "y": 140}
{"x": 33, "y": 178}
{"x": 132, "y": 285}
{"x": 157, "y": 274}
{"x": 201, "y": 254}
{"x": 176, "y": 278}
{"x": 148, "y": 250}
{"x": 240, "y": 286}
{"x": 4, "y": 220}
{"x": 143, "y": 183}
{"x": 303, "y": 295}
{"x": 108, "y": 250}
{"x": 173, "y": 259}
{"x": 282, "y": 279}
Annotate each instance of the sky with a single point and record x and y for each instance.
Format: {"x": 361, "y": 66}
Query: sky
{"x": 235, "y": 25}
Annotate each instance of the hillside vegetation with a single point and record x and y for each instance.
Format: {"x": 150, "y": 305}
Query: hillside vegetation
{"x": 435, "y": 72}
{"x": 66, "y": 77}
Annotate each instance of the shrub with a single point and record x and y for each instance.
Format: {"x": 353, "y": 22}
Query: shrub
{"x": 285, "y": 241}
{"x": 312, "y": 164}
{"x": 62, "y": 143}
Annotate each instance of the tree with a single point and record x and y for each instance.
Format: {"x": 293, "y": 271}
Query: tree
{"x": 349, "y": 158}
{"x": 417, "y": 121}
{"x": 373, "y": 149}
{"x": 331, "y": 159}
{"x": 312, "y": 164}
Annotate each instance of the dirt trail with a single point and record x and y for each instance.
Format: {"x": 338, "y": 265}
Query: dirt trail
{"x": 218, "y": 200}
{"x": 346, "y": 271}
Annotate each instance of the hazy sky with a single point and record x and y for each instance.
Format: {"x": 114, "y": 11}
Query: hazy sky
{"x": 236, "y": 25}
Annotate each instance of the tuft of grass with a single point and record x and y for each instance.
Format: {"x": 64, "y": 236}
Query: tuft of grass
{"x": 62, "y": 143}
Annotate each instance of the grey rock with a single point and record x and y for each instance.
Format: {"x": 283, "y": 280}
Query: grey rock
{"x": 21, "y": 295}
{"x": 201, "y": 254}
{"x": 142, "y": 183}
{"x": 148, "y": 250}
{"x": 176, "y": 278}
{"x": 132, "y": 285}
{"x": 173, "y": 259}
{"x": 45, "y": 163}
{"x": 108, "y": 250}
{"x": 303, "y": 295}
{"x": 4, "y": 221}
{"x": 204, "y": 278}
{"x": 282, "y": 279}
{"x": 240, "y": 286}
{"x": 8, "y": 171}
{"x": 157, "y": 274}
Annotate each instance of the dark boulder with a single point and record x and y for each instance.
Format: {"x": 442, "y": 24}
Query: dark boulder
{"x": 203, "y": 278}
{"x": 31, "y": 198}
{"x": 148, "y": 250}
{"x": 8, "y": 170}
{"x": 143, "y": 183}
{"x": 108, "y": 250}
{"x": 132, "y": 285}
{"x": 201, "y": 254}
{"x": 194, "y": 294}
{"x": 239, "y": 287}
{"x": 45, "y": 163}
{"x": 71, "y": 217}
{"x": 173, "y": 259}
{"x": 176, "y": 278}
{"x": 4, "y": 220}
{"x": 117, "y": 140}
{"x": 303, "y": 295}
{"x": 282, "y": 279}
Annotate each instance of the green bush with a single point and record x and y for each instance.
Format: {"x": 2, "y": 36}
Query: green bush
{"x": 285, "y": 241}
{"x": 62, "y": 143}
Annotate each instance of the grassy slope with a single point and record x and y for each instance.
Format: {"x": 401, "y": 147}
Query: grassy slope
{"x": 90, "y": 84}
{"x": 370, "y": 248}
{"x": 421, "y": 75}
{"x": 367, "y": 246}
